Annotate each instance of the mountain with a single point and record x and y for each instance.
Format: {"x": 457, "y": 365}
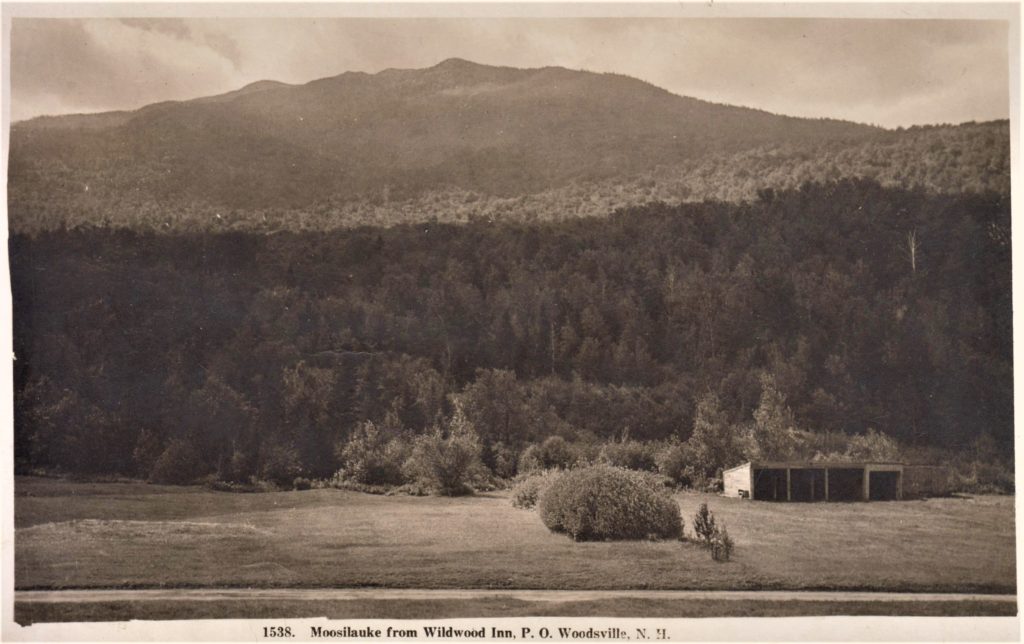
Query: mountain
{"x": 494, "y": 129}
{"x": 395, "y": 136}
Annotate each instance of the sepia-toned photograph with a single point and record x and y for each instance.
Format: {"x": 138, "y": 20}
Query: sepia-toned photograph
{"x": 529, "y": 315}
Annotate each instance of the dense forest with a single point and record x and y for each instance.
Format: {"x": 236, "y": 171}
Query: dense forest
{"x": 854, "y": 306}
{"x": 55, "y": 193}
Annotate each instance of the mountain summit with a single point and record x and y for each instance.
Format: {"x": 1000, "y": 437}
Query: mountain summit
{"x": 494, "y": 130}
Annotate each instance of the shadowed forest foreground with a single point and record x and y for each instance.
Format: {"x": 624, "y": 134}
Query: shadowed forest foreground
{"x": 838, "y": 319}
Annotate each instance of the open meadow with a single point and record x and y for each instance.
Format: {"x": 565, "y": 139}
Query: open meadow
{"x": 117, "y": 535}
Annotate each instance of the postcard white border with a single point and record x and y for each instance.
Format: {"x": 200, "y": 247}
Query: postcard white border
{"x": 831, "y": 629}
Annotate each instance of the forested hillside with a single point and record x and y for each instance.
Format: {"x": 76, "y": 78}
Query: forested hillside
{"x": 867, "y": 307}
{"x": 495, "y": 130}
{"x": 451, "y": 142}
{"x": 51, "y": 194}
{"x": 278, "y": 278}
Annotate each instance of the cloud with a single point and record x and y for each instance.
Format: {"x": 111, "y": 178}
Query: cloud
{"x": 173, "y": 26}
{"x": 890, "y": 72}
{"x": 859, "y": 70}
{"x": 90, "y": 65}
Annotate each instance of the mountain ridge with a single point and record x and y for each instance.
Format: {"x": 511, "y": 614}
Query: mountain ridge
{"x": 453, "y": 65}
{"x": 404, "y": 135}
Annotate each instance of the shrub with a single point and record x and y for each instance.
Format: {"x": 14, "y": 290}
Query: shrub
{"x": 221, "y": 486}
{"x": 408, "y": 489}
{"x": 279, "y": 464}
{"x": 712, "y": 536}
{"x": 605, "y": 502}
{"x": 585, "y": 453}
{"x": 262, "y": 485}
{"x": 239, "y": 468}
{"x": 715, "y": 442}
{"x": 554, "y": 452}
{"x": 179, "y": 464}
{"x": 485, "y": 481}
{"x": 630, "y": 454}
{"x": 997, "y": 477}
{"x": 872, "y": 446}
{"x": 977, "y": 477}
{"x": 529, "y": 488}
{"x": 529, "y": 460}
{"x": 505, "y": 460}
{"x": 228, "y": 486}
{"x": 302, "y": 483}
{"x": 712, "y": 485}
{"x": 721, "y": 544}
{"x": 344, "y": 484}
{"x": 147, "y": 450}
{"x": 674, "y": 461}
{"x": 704, "y": 524}
{"x": 369, "y": 460}
{"x": 447, "y": 463}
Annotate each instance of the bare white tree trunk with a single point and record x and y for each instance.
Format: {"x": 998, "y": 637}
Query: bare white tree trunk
{"x": 912, "y": 250}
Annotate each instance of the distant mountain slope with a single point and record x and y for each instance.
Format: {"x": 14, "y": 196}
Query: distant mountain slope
{"x": 400, "y": 136}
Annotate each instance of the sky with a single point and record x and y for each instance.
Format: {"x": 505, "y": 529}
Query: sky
{"x": 885, "y": 72}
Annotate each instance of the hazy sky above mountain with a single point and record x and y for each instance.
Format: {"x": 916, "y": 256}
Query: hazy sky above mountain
{"x": 888, "y": 72}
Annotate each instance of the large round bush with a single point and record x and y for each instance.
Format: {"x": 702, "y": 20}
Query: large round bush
{"x": 605, "y": 502}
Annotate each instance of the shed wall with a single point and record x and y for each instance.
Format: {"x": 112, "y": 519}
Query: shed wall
{"x": 736, "y": 479}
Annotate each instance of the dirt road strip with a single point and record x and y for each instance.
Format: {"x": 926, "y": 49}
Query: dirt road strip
{"x": 331, "y": 594}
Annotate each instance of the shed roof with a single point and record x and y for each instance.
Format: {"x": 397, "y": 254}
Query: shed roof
{"x": 773, "y": 465}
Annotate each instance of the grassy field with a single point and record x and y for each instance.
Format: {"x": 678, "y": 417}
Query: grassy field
{"x": 96, "y": 535}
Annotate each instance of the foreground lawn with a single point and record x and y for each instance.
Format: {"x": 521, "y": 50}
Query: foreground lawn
{"x": 77, "y": 535}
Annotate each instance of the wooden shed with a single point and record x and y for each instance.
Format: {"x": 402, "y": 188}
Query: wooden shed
{"x": 814, "y": 481}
